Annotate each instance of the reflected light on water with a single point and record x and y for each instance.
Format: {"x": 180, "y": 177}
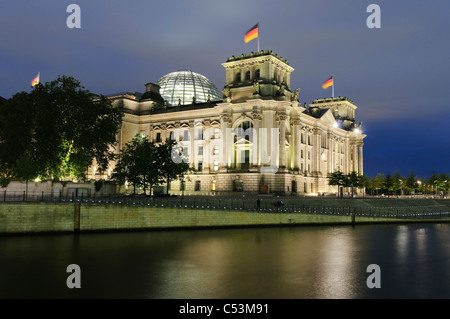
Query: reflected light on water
{"x": 197, "y": 262}
{"x": 401, "y": 241}
{"x": 336, "y": 274}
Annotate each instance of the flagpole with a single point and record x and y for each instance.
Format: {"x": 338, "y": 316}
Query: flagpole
{"x": 258, "y": 36}
{"x": 332, "y": 87}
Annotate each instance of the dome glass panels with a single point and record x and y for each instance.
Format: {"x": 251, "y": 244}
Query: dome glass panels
{"x": 182, "y": 86}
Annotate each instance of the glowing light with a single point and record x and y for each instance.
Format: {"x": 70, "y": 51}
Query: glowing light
{"x": 335, "y": 125}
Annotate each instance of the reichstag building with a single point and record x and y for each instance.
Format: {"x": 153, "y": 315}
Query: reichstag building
{"x": 253, "y": 137}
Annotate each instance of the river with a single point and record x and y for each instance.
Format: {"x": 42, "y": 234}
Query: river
{"x": 303, "y": 262}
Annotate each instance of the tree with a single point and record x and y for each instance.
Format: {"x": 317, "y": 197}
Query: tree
{"x": 62, "y": 126}
{"x": 137, "y": 163}
{"x": 378, "y": 182}
{"x": 171, "y": 162}
{"x": 338, "y": 179}
{"x": 24, "y": 168}
{"x": 364, "y": 182}
{"x": 411, "y": 182}
{"x": 354, "y": 180}
{"x": 145, "y": 164}
{"x": 388, "y": 183}
{"x": 397, "y": 182}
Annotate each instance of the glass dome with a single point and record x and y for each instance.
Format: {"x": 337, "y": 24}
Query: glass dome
{"x": 182, "y": 86}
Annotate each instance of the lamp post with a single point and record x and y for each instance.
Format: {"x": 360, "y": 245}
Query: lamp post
{"x": 420, "y": 185}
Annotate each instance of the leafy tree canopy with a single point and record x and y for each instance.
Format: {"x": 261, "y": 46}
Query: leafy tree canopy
{"x": 56, "y": 131}
{"x": 145, "y": 164}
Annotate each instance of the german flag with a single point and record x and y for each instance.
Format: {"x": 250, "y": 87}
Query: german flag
{"x": 252, "y": 33}
{"x": 327, "y": 83}
{"x": 35, "y": 81}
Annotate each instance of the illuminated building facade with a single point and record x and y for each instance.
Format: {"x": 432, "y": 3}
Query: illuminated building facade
{"x": 254, "y": 137}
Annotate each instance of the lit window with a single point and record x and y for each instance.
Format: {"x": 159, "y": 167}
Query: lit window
{"x": 185, "y": 135}
{"x": 216, "y": 150}
{"x": 216, "y": 165}
{"x": 200, "y": 134}
{"x": 216, "y": 133}
{"x": 244, "y": 130}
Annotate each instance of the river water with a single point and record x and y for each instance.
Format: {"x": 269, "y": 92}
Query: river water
{"x": 307, "y": 262}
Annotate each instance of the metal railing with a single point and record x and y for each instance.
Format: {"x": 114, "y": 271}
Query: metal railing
{"x": 266, "y": 205}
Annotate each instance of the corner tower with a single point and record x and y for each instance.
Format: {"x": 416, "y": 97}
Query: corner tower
{"x": 263, "y": 75}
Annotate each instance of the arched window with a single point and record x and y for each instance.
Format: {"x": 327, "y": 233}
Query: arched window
{"x": 247, "y": 75}
{"x": 244, "y": 130}
{"x": 257, "y": 74}
{"x": 238, "y": 77}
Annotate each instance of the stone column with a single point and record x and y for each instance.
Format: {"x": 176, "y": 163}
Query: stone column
{"x": 296, "y": 143}
{"x": 206, "y": 145}
{"x": 163, "y": 132}
{"x": 256, "y": 151}
{"x": 346, "y": 168}
{"x": 331, "y": 149}
{"x": 282, "y": 150}
{"x": 225, "y": 122}
{"x": 304, "y": 160}
{"x": 355, "y": 158}
{"x": 316, "y": 151}
{"x": 191, "y": 141}
{"x": 360, "y": 159}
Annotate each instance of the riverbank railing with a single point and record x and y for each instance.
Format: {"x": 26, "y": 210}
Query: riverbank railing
{"x": 264, "y": 205}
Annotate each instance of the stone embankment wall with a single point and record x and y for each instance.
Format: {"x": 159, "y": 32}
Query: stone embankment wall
{"x": 55, "y": 217}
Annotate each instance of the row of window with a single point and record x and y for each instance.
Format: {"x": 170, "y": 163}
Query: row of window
{"x": 239, "y": 187}
{"x": 247, "y": 77}
{"x": 215, "y": 150}
{"x": 185, "y": 135}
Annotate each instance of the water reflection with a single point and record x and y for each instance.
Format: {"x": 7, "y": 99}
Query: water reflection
{"x": 297, "y": 262}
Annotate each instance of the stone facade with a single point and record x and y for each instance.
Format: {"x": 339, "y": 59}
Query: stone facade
{"x": 258, "y": 139}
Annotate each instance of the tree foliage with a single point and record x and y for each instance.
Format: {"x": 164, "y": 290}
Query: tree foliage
{"x": 59, "y": 128}
{"x": 144, "y": 164}
{"x": 348, "y": 180}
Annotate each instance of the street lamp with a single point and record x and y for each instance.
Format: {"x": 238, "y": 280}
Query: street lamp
{"x": 401, "y": 187}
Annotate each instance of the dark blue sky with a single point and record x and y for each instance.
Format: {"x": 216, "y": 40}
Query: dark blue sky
{"x": 396, "y": 75}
